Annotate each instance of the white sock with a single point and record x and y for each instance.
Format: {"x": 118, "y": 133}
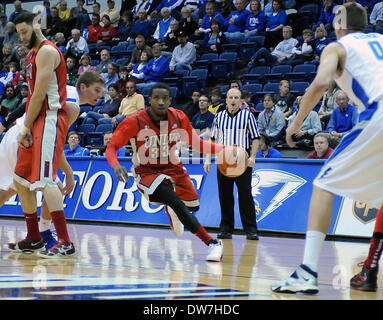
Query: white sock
{"x": 313, "y": 247}
{"x": 44, "y": 224}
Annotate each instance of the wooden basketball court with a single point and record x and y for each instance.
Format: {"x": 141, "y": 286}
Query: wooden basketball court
{"x": 116, "y": 262}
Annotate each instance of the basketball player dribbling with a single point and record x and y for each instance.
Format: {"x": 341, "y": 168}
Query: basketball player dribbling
{"x": 158, "y": 173}
{"x": 355, "y": 169}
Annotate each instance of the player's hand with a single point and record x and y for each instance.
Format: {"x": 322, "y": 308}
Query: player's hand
{"x": 251, "y": 162}
{"x": 291, "y": 131}
{"x": 69, "y": 183}
{"x": 121, "y": 173}
{"x": 25, "y": 140}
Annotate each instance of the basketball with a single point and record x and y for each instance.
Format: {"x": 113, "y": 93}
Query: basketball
{"x": 232, "y": 161}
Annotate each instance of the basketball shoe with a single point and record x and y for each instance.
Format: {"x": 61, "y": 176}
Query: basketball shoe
{"x": 215, "y": 251}
{"x": 365, "y": 280}
{"x": 175, "y": 223}
{"x": 27, "y": 246}
{"x": 303, "y": 280}
{"x": 59, "y": 251}
{"x": 48, "y": 238}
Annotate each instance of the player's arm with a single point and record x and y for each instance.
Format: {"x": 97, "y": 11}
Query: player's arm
{"x": 73, "y": 110}
{"x": 69, "y": 177}
{"x": 330, "y": 63}
{"x": 47, "y": 60}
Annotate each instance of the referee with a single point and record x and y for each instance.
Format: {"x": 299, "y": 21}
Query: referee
{"x": 236, "y": 127}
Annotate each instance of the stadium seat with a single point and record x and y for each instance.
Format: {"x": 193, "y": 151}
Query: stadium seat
{"x": 105, "y": 120}
{"x": 219, "y": 70}
{"x": 224, "y": 89}
{"x": 258, "y": 39}
{"x": 201, "y": 75}
{"x": 298, "y": 87}
{"x": 247, "y": 50}
{"x": 271, "y": 87}
{"x": 190, "y": 84}
{"x": 255, "y": 75}
{"x": 95, "y": 137}
{"x": 84, "y": 130}
{"x": 231, "y": 57}
{"x": 229, "y": 47}
{"x": 277, "y": 73}
{"x": 252, "y": 88}
{"x": 122, "y": 61}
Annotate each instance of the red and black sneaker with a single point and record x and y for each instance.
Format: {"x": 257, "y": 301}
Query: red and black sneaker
{"x": 27, "y": 246}
{"x": 59, "y": 251}
{"x": 366, "y": 280}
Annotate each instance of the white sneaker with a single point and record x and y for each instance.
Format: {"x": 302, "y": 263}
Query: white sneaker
{"x": 303, "y": 281}
{"x": 215, "y": 252}
{"x": 175, "y": 223}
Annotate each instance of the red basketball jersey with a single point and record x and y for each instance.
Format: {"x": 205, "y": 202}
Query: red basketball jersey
{"x": 56, "y": 93}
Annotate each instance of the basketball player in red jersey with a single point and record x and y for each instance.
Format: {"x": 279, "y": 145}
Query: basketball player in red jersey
{"x": 42, "y": 140}
{"x": 158, "y": 173}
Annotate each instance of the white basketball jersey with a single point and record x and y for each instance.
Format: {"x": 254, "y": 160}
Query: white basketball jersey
{"x": 362, "y": 78}
{"x": 72, "y": 95}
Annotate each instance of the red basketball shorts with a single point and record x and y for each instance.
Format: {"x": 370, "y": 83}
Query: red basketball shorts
{"x": 148, "y": 179}
{"x": 37, "y": 166}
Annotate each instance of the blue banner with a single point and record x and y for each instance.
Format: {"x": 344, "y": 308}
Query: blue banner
{"x": 281, "y": 189}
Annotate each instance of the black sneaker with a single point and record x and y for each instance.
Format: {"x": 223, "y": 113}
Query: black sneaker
{"x": 59, "y": 251}
{"x": 366, "y": 280}
{"x": 224, "y": 235}
{"x": 27, "y": 246}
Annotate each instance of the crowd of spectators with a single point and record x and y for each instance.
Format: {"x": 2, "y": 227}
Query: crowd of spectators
{"x": 165, "y": 38}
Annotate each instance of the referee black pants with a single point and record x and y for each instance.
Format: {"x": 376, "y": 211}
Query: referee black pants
{"x": 245, "y": 199}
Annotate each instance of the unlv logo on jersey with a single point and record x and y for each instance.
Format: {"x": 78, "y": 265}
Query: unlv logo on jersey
{"x": 363, "y": 212}
{"x": 28, "y": 71}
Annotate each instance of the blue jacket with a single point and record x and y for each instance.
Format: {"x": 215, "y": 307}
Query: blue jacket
{"x": 273, "y": 153}
{"x": 342, "y": 122}
{"x": 143, "y": 28}
{"x": 206, "y": 20}
{"x": 76, "y": 152}
{"x": 156, "y": 70}
{"x": 256, "y": 22}
{"x": 278, "y": 19}
{"x": 240, "y": 18}
{"x": 325, "y": 16}
{"x": 202, "y": 121}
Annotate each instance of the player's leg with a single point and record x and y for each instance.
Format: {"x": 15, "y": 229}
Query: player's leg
{"x": 304, "y": 278}
{"x": 366, "y": 280}
{"x": 5, "y": 195}
{"x": 44, "y": 226}
{"x": 165, "y": 194}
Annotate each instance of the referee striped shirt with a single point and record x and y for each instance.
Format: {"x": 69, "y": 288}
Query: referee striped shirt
{"x": 238, "y": 129}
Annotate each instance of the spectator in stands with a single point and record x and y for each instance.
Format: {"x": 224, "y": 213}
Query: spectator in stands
{"x": 111, "y": 76}
{"x": 3, "y": 24}
{"x": 328, "y": 102}
{"x": 137, "y": 51}
{"x": 156, "y": 69}
{"x": 8, "y": 54}
{"x": 321, "y": 41}
{"x": 77, "y": 46}
{"x": 75, "y": 150}
{"x": 23, "y": 93}
{"x": 246, "y": 101}
{"x": 216, "y": 104}
{"x": 267, "y": 7}
{"x": 106, "y": 139}
{"x": 215, "y": 38}
{"x": 17, "y": 11}
{"x": 186, "y": 22}
{"x": 107, "y": 31}
{"x": 163, "y": 26}
{"x": 256, "y": 21}
{"x": 265, "y": 150}
{"x": 343, "y": 118}
{"x": 235, "y": 84}
{"x": 85, "y": 64}
{"x": 376, "y": 17}
{"x": 327, "y": 14}
{"x": 54, "y": 23}
{"x": 94, "y": 29}
{"x": 82, "y": 17}
{"x": 96, "y": 8}
{"x": 10, "y": 101}
{"x": 184, "y": 54}
{"x": 132, "y": 103}
{"x": 210, "y": 14}
{"x": 271, "y": 120}
{"x": 145, "y": 4}
{"x": 310, "y": 127}
{"x": 284, "y": 99}
{"x": 72, "y": 70}
{"x": 191, "y": 108}
{"x": 108, "y": 109}
{"x": 105, "y": 59}
{"x": 123, "y": 78}
{"x": 124, "y": 28}
{"x": 172, "y": 5}
{"x": 64, "y": 11}
{"x": 304, "y": 50}
{"x": 171, "y": 40}
{"x": 280, "y": 54}
{"x": 203, "y": 120}
{"x": 137, "y": 71}
{"x": 226, "y": 7}
{"x": 274, "y": 26}
{"x": 321, "y": 146}
{"x": 11, "y": 36}
{"x": 142, "y": 26}
{"x": 60, "y": 42}
{"x": 235, "y": 23}
{"x": 112, "y": 13}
